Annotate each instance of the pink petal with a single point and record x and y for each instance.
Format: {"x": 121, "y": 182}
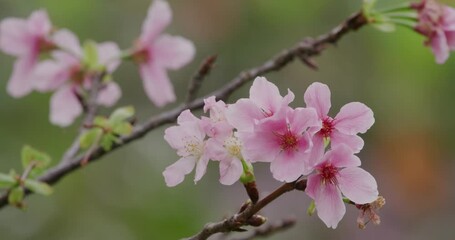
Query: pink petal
{"x": 14, "y": 37}
{"x": 175, "y": 173}
{"x": 158, "y": 17}
{"x": 450, "y": 36}
{"x": 259, "y": 146}
{"x": 317, "y": 151}
{"x": 66, "y": 40}
{"x": 109, "y": 55}
{"x": 354, "y": 118}
{"x": 317, "y": 96}
{"x": 267, "y": 96}
{"x": 201, "y": 168}
{"x": 352, "y": 141}
{"x": 109, "y": 94}
{"x": 50, "y": 75}
{"x": 301, "y": 119}
{"x": 157, "y": 84}
{"x": 39, "y": 24}
{"x": 329, "y": 205}
{"x": 288, "y": 166}
{"x": 230, "y": 171}
{"x": 65, "y": 107}
{"x": 173, "y": 52}
{"x": 20, "y": 82}
{"x": 243, "y": 114}
{"x": 358, "y": 185}
{"x": 342, "y": 156}
{"x": 186, "y": 116}
{"x": 313, "y": 184}
{"x": 216, "y": 151}
{"x": 440, "y": 47}
{"x": 448, "y": 19}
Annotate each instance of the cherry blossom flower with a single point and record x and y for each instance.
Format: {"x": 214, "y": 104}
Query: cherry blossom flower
{"x": 264, "y": 101}
{"x": 437, "y": 23}
{"x": 282, "y": 140}
{"x": 25, "y": 39}
{"x": 352, "y": 119}
{"x": 189, "y": 140}
{"x": 338, "y": 173}
{"x": 65, "y": 74}
{"x": 156, "y": 52}
{"x": 216, "y": 126}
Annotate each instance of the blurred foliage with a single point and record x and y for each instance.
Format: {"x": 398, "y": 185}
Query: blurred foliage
{"x": 409, "y": 150}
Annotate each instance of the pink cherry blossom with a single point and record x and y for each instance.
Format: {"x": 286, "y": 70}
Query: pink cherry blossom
{"x": 156, "y": 52}
{"x": 216, "y": 126}
{"x": 338, "y": 173}
{"x": 66, "y": 75}
{"x": 264, "y": 101}
{"x": 352, "y": 119}
{"x": 25, "y": 39}
{"x": 437, "y": 23}
{"x": 282, "y": 140}
{"x": 188, "y": 138}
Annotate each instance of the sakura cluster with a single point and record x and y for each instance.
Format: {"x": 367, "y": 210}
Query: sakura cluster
{"x": 53, "y": 60}
{"x": 297, "y": 142}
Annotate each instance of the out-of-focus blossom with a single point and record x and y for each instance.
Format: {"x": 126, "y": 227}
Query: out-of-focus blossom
{"x": 188, "y": 138}
{"x": 352, "y": 119}
{"x": 25, "y": 39}
{"x": 282, "y": 140}
{"x": 437, "y": 23}
{"x": 156, "y": 53}
{"x": 264, "y": 101}
{"x": 368, "y": 212}
{"x": 338, "y": 173}
{"x": 66, "y": 74}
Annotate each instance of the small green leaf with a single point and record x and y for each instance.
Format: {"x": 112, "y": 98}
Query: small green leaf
{"x": 7, "y": 181}
{"x": 121, "y": 114}
{"x": 311, "y": 208}
{"x": 101, "y": 122}
{"x": 32, "y": 156}
{"x": 16, "y": 195}
{"x": 124, "y": 128}
{"x": 90, "y": 137}
{"x": 107, "y": 141}
{"x": 91, "y": 54}
{"x": 38, "y": 187}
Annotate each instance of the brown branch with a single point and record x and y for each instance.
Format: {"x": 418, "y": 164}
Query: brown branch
{"x": 196, "y": 81}
{"x": 236, "y": 221}
{"x": 270, "y": 229}
{"x": 303, "y": 50}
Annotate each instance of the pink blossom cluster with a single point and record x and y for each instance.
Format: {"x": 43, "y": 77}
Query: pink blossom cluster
{"x": 53, "y": 60}
{"x": 297, "y": 142}
{"x": 437, "y": 22}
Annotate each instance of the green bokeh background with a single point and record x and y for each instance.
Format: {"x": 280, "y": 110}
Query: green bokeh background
{"x": 409, "y": 150}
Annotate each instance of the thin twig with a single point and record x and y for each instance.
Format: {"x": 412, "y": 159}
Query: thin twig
{"x": 196, "y": 81}
{"x": 303, "y": 50}
{"x": 270, "y": 229}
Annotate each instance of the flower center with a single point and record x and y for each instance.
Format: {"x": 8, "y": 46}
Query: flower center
{"x": 288, "y": 141}
{"x": 45, "y": 45}
{"x": 328, "y": 173}
{"x": 327, "y": 127}
{"x": 142, "y": 55}
{"x": 193, "y": 146}
{"x": 233, "y": 146}
{"x": 77, "y": 74}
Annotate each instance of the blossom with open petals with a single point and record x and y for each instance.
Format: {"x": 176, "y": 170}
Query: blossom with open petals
{"x": 437, "y": 22}
{"x": 338, "y": 173}
{"x": 25, "y": 39}
{"x": 352, "y": 119}
{"x": 156, "y": 53}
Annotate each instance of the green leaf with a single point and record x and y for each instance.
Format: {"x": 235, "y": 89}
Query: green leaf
{"x": 38, "y": 187}
{"x": 7, "y": 181}
{"x": 16, "y": 195}
{"x": 311, "y": 208}
{"x": 102, "y": 122}
{"x": 385, "y": 26}
{"x": 90, "y": 54}
{"x": 90, "y": 137}
{"x": 121, "y": 115}
{"x": 107, "y": 141}
{"x": 124, "y": 128}
{"x": 32, "y": 156}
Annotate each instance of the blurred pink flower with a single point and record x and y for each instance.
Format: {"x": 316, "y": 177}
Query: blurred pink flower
{"x": 352, "y": 119}
{"x": 25, "y": 39}
{"x": 189, "y": 140}
{"x": 437, "y": 23}
{"x": 65, "y": 74}
{"x": 156, "y": 52}
{"x": 282, "y": 140}
{"x": 337, "y": 173}
{"x": 264, "y": 101}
